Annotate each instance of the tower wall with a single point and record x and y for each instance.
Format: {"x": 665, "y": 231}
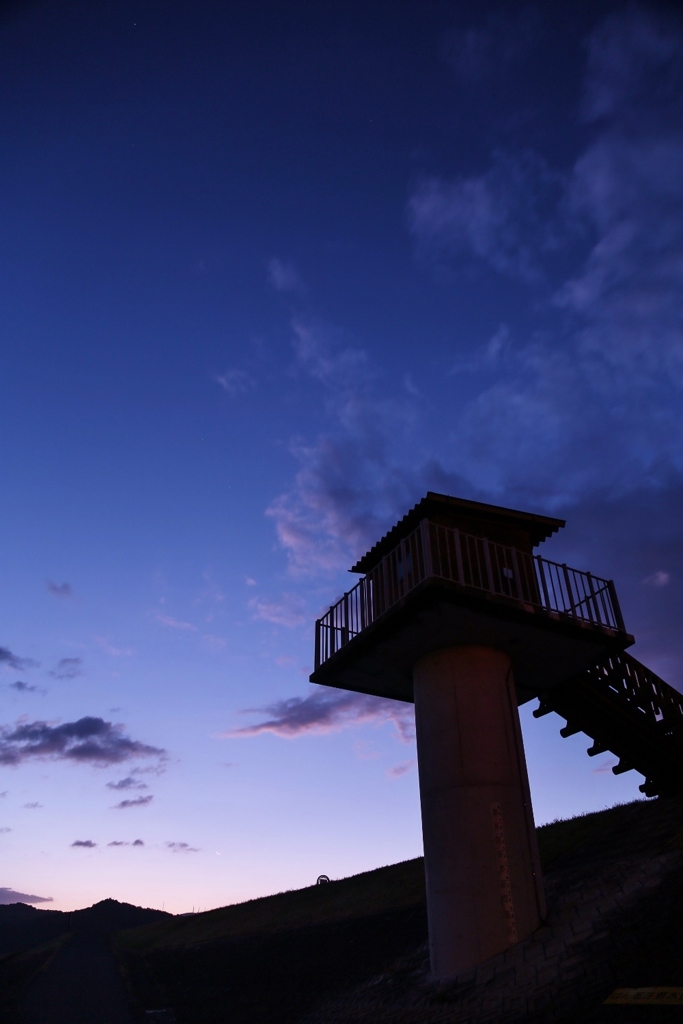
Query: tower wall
{"x": 484, "y": 888}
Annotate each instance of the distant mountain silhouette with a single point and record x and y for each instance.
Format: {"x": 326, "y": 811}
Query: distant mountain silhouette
{"x": 23, "y": 927}
{"x": 110, "y": 916}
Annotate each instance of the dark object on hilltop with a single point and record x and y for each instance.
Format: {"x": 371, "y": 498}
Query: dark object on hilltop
{"x": 322, "y": 879}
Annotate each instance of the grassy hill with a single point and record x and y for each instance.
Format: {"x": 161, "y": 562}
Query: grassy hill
{"x": 271, "y": 959}
{"x": 395, "y": 887}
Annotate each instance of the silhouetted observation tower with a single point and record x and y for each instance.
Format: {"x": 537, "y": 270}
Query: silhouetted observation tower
{"x": 456, "y": 613}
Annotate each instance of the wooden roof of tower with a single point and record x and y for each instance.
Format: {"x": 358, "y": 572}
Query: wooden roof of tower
{"x": 523, "y": 530}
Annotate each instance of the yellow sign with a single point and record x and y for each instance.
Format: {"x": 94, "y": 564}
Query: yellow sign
{"x": 649, "y": 996}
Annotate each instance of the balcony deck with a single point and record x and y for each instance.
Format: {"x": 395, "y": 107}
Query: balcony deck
{"x": 477, "y": 566}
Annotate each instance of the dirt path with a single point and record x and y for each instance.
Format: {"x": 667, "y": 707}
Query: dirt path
{"x": 81, "y": 985}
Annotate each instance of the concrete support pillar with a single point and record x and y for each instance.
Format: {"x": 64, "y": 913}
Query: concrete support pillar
{"x": 484, "y": 887}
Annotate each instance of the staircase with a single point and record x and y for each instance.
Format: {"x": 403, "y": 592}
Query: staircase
{"x": 628, "y": 710}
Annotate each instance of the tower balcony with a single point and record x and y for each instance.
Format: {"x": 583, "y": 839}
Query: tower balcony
{"x": 439, "y": 586}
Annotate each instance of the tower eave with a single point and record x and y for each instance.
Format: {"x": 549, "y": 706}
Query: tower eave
{"x": 443, "y": 506}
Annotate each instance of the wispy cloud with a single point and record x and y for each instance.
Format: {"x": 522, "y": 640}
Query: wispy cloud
{"x": 658, "y": 579}
{"x": 179, "y": 624}
{"x": 111, "y": 649}
{"x": 21, "y": 687}
{"x": 121, "y": 842}
{"x": 327, "y": 710}
{"x": 235, "y": 382}
{"x": 87, "y": 844}
{"x": 86, "y": 741}
{"x": 128, "y": 783}
{"x": 138, "y": 801}
{"x": 624, "y": 51}
{"x": 214, "y": 644}
{"x": 33, "y": 806}
{"x": 289, "y": 610}
{"x": 284, "y": 277}
{"x": 151, "y": 769}
{"x": 68, "y": 668}
{"x": 505, "y": 216}
{"x": 486, "y": 51}
{"x": 350, "y": 481}
{"x": 13, "y": 661}
{"x": 401, "y": 769}
{"x": 365, "y": 751}
{"x": 325, "y": 353}
{"x": 59, "y": 589}
{"x": 8, "y": 896}
{"x": 182, "y": 848}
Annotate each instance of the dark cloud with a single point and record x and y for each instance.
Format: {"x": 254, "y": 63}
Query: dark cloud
{"x": 32, "y": 806}
{"x": 13, "y": 661}
{"x": 127, "y": 783}
{"x": 23, "y": 687}
{"x": 329, "y": 710}
{"x": 87, "y": 843}
{"x": 5, "y": 830}
{"x": 68, "y": 668}
{"x": 182, "y": 848}
{"x": 590, "y": 402}
{"x": 635, "y": 61}
{"x": 10, "y": 896}
{"x": 59, "y": 589}
{"x": 121, "y": 842}
{"x": 138, "y": 801}
{"x": 632, "y": 542}
{"x": 87, "y": 741}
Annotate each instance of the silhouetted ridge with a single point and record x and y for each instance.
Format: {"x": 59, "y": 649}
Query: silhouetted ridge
{"x": 24, "y": 927}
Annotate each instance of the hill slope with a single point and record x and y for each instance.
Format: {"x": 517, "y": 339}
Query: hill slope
{"x": 277, "y": 958}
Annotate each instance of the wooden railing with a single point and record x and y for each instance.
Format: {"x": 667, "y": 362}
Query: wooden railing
{"x": 440, "y": 552}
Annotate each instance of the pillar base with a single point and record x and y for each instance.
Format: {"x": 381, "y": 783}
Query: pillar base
{"x": 484, "y": 887}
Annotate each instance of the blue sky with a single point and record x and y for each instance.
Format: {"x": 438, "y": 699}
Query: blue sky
{"x": 268, "y": 272}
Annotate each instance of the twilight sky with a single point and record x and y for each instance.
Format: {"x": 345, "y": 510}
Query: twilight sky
{"x": 268, "y": 272}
